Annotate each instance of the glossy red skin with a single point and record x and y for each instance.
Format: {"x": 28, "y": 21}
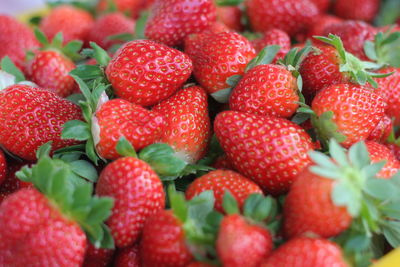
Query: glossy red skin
{"x": 309, "y": 208}
{"x": 306, "y": 252}
{"x": 382, "y": 130}
{"x": 31, "y": 117}
{"x": 242, "y": 244}
{"x": 74, "y": 23}
{"x": 131, "y": 7}
{"x": 221, "y": 181}
{"x": 354, "y": 34}
{"x": 163, "y": 242}
{"x": 318, "y": 28}
{"x": 34, "y": 233}
{"x": 379, "y": 152}
{"x": 291, "y": 16}
{"x": 187, "y": 122}
{"x": 389, "y": 89}
{"x": 356, "y": 110}
{"x": 217, "y": 57}
{"x": 171, "y": 21}
{"x": 128, "y": 257}
{"x": 11, "y": 183}
{"x": 357, "y": 9}
{"x": 3, "y": 168}
{"x": 266, "y": 90}
{"x": 145, "y": 72}
{"x": 15, "y": 40}
{"x": 395, "y": 150}
{"x": 322, "y": 5}
{"x": 273, "y": 37}
{"x": 231, "y": 16}
{"x": 271, "y": 151}
{"x": 97, "y": 257}
{"x": 138, "y": 193}
{"x": 50, "y": 70}
{"x": 117, "y": 118}
{"x": 108, "y": 25}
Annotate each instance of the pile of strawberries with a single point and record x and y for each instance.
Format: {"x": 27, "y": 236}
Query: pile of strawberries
{"x": 200, "y": 133}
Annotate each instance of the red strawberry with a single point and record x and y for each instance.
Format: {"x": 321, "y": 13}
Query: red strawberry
{"x": 131, "y": 7}
{"x": 357, "y": 9}
{"x": 138, "y": 194}
{"x": 217, "y": 57}
{"x": 15, "y": 40}
{"x": 145, "y": 72}
{"x": 273, "y": 37}
{"x": 3, "y": 168}
{"x": 117, "y": 118}
{"x": 354, "y": 110}
{"x": 11, "y": 183}
{"x": 31, "y": 117}
{"x": 389, "y": 90}
{"x": 163, "y": 241}
{"x": 379, "y": 152}
{"x": 199, "y": 264}
{"x": 128, "y": 257}
{"x": 382, "y": 130}
{"x": 322, "y": 5}
{"x": 222, "y": 162}
{"x": 231, "y": 16}
{"x": 72, "y": 22}
{"x": 188, "y": 124}
{"x": 306, "y": 252}
{"x": 221, "y": 180}
{"x": 395, "y": 150}
{"x": 291, "y": 16}
{"x": 97, "y": 257}
{"x": 171, "y": 21}
{"x": 271, "y": 151}
{"x": 108, "y": 25}
{"x": 240, "y": 243}
{"x": 322, "y": 22}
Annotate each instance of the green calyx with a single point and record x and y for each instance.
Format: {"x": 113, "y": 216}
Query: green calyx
{"x": 9, "y": 73}
{"x": 326, "y": 128}
{"x": 359, "y": 71}
{"x": 392, "y": 138}
{"x": 73, "y": 197}
{"x": 228, "y": 2}
{"x": 384, "y": 49}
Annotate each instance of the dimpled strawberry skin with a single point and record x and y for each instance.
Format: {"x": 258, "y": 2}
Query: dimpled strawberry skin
{"x": 3, "y": 167}
{"x": 389, "y": 89}
{"x": 145, "y": 72}
{"x": 274, "y": 37}
{"x": 128, "y": 257}
{"x": 379, "y": 152}
{"x": 271, "y": 151}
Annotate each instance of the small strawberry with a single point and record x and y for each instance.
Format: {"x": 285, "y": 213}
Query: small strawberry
{"x": 97, "y": 257}
{"x": 379, "y": 152}
{"x": 127, "y": 257}
{"x": 306, "y": 252}
{"x": 221, "y": 180}
{"x": 72, "y": 22}
{"x": 271, "y": 151}
{"x": 171, "y": 21}
{"x": 11, "y": 183}
{"x": 3, "y": 168}
{"x": 357, "y": 9}
{"x": 273, "y": 37}
{"x": 231, "y": 16}
{"x": 187, "y": 123}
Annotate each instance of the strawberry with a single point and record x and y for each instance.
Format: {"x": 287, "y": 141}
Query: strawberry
{"x": 31, "y": 117}
{"x": 221, "y": 180}
{"x": 199, "y": 264}
{"x": 216, "y": 57}
{"x": 379, "y": 152}
{"x": 109, "y": 25}
{"x": 171, "y": 21}
{"x": 15, "y": 40}
{"x": 357, "y": 9}
{"x": 188, "y": 123}
{"x": 128, "y": 257}
{"x": 72, "y": 22}
{"x": 131, "y": 7}
{"x": 222, "y": 162}
{"x": 231, "y": 16}
{"x": 138, "y": 194}
{"x": 97, "y": 257}
{"x": 322, "y": 5}
{"x": 150, "y": 79}
{"x": 11, "y": 183}
{"x": 271, "y": 151}
{"x": 382, "y": 130}
{"x": 347, "y": 112}
{"x": 46, "y": 226}
{"x": 273, "y": 37}
{"x": 306, "y": 252}
{"x": 395, "y": 150}
{"x": 117, "y": 118}
{"x": 322, "y": 22}
{"x": 3, "y": 168}
{"x": 291, "y": 16}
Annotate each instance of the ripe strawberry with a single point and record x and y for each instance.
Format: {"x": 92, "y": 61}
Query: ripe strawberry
{"x": 31, "y": 117}
{"x": 3, "y": 168}
{"x": 171, "y": 21}
{"x": 222, "y": 162}
{"x": 146, "y": 80}
{"x": 357, "y": 9}
{"x": 395, "y": 150}
{"x": 347, "y": 112}
{"x": 138, "y": 194}
{"x": 389, "y": 90}
{"x": 15, "y": 40}
{"x": 128, "y": 257}
{"x": 188, "y": 124}
{"x": 97, "y": 257}
{"x": 322, "y": 5}
{"x": 382, "y": 130}
{"x": 11, "y": 183}
{"x": 273, "y": 37}
{"x": 108, "y": 25}
{"x": 117, "y": 118}
{"x": 131, "y": 7}
{"x": 221, "y": 180}
{"x": 231, "y": 16}
{"x": 271, "y": 151}
{"x": 379, "y": 152}
{"x": 291, "y": 16}
{"x": 306, "y": 252}
{"x": 72, "y": 22}
{"x": 322, "y": 22}
{"x": 217, "y": 57}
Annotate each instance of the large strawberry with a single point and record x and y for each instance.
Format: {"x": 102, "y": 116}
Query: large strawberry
{"x": 30, "y": 117}
{"x": 322, "y": 22}
{"x": 379, "y": 152}
{"x": 46, "y": 226}
{"x": 357, "y": 9}
{"x": 271, "y": 151}
{"x": 230, "y": 16}
{"x": 72, "y": 22}
{"x": 145, "y": 72}
{"x": 187, "y": 123}
{"x": 306, "y": 252}
{"x": 171, "y": 21}
{"x": 273, "y": 37}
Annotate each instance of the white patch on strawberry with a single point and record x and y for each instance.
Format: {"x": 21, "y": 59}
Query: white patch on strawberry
{"x": 102, "y": 99}
{"x": 185, "y": 157}
{"x": 6, "y": 79}
{"x": 95, "y": 131}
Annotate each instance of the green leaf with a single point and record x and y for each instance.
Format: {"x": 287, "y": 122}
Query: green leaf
{"x": 381, "y": 189}
{"x": 264, "y": 208}
{"x": 230, "y": 204}
{"x": 357, "y": 243}
{"x": 358, "y": 155}
{"x": 76, "y": 129}
{"x": 100, "y": 210}
{"x": 334, "y": 174}
{"x": 250, "y": 204}
{"x": 326, "y": 128}
{"x": 343, "y": 195}
{"x": 100, "y": 54}
{"x": 229, "y": 2}
{"x": 82, "y": 85}
{"x": 57, "y": 41}
{"x": 71, "y": 50}
{"x": 8, "y": 66}
{"x": 264, "y": 57}
{"x": 222, "y": 96}
{"x": 91, "y": 152}
{"x": 370, "y": 171}
{"x": 322, "y": 160}
{"x": 391, "y": 231}
{"x": 84, "y": 169}
{"x": 200, "y": 206}
{"x": 76, "y": 98}
{"x": 141, "y": 24}
{"x": 125, "y": 148}
{"x": 44, "y": 150}
{"x": 125, "y": 37}
{"x": 87, "y": 72}
{"x": 41, "y": 37}
{"x": 178, "y": 204}
{"x": 338, "y": 153}
{"x": 233, "y": 80}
